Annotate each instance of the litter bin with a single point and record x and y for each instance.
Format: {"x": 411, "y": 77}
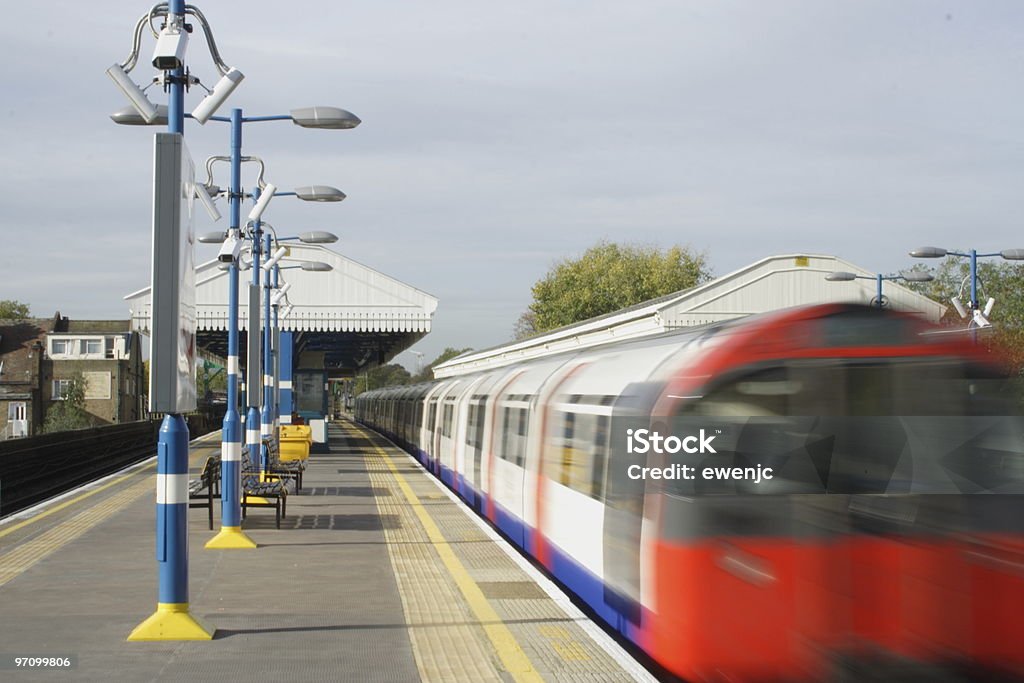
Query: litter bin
{"x": 295, "y": 441}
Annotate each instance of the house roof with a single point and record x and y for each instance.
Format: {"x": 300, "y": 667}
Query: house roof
{"x": 17, "y": 338}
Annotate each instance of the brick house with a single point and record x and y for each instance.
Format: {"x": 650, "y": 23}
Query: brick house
{"x": 41, "y": 356}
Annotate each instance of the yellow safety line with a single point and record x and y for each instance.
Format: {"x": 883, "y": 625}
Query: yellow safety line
{"x": 68, "y": 503}
{"x": 76, "y": 499}
{"x": 512, "y": 656}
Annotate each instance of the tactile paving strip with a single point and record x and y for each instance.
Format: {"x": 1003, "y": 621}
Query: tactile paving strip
{"x": 557, "y": 647}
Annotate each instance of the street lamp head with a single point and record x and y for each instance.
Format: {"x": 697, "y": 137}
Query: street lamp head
{"x": 840, "y": 276}
{"x": 212, "y": 238}
{"x": 928, "y": 252}
{"x": 130, "y": 116}
{"x": 324, "y": 117}
{"x": 318, "y": 266}
{"x": 1012, "y": 254}
{"x": 916, "y": 276}
{"x": 319, "y": 193}
{"x": 318, "y": 237}
{"x": 146, "y": 109}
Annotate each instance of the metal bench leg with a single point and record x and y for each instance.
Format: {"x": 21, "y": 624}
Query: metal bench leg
{"x": 277, "y": 509}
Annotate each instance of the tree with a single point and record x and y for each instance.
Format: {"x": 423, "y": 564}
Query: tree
{"x": 13, "y": 310}
{"x": 68, "y": 414}
{"x": 607, "y": 277}
{"x": 1000, "y": 280}
{"x": 427, "y": 373}
{"x": 210, "y": 378}
{"x": 392, "y": 374}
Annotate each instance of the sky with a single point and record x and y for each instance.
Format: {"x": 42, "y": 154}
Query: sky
{"x": 499, "y": 138}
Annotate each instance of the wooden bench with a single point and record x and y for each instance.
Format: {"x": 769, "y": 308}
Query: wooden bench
{"x": 203, "y": 490}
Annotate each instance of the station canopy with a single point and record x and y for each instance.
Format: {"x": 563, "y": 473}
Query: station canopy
{"x": 352, "y": 316}
{"x": 770, "y": 284}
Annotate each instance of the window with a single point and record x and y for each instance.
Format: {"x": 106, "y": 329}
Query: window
{"x": 58, "y": 346}
{"x": 60, "y": 389}
{"x": 578, "y": 459}
{"x": 515, "y": 423}
{"x": 446, "y": 420}
{"x": 91, "y": 346}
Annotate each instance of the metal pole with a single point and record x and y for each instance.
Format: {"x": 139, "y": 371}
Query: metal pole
{"x": 879, "y": 295}
{"x": 268, "y": 368}
{"x": 252, "y": 418}
{"x": 172, "y": 619}
{"x": 974, "y": 279}
{"x": 276, "y": 386}
{"x": 231, "y": 534}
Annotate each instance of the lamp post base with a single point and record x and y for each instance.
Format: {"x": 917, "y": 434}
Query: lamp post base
{"x": 172, "y": 621}
{"x": 230, "y": 537}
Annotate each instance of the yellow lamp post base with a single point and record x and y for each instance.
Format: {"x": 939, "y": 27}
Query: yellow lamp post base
{"x": 172, "y": 621}
{"x": 230, "y": 537}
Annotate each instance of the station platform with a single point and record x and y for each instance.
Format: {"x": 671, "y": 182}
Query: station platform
{"x": 377, "y": 574}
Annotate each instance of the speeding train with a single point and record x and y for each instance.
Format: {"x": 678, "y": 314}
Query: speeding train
{"x": 885, "y": 531}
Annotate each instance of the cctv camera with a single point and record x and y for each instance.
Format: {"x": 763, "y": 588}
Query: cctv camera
{"x": 980, "y": 320}
{"x": 231, "y": 248}
{"x": 170, "y": 48}
{"x": 989, "y": 305}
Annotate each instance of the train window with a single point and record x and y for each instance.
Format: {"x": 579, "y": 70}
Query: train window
{"x": 446, "y": 420}
{"x": 577, "y": 453}
{"x": 515, "y": 423}
{"x": 475, "y": 425}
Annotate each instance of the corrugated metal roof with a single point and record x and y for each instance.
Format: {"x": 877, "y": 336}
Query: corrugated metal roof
{"x": 772, "y": 283}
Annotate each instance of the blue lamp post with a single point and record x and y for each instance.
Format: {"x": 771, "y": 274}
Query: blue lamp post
{"x": 231, "y": 535}
{"x": 977, "y": 319}
{"x": 276, "y": 300}
{"x": 273, "y": 267}
{"x": 172, "y": 619}
{"x": 909, "y": 276}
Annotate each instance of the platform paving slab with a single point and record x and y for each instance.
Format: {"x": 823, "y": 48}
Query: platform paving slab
{"x": 375, "y": 575}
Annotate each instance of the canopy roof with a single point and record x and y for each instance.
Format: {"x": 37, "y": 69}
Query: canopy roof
{"x": 358, "y": 317}
{"x": 769, "y": 284}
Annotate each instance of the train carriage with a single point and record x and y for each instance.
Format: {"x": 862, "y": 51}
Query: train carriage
{"x": 890, "y": 531}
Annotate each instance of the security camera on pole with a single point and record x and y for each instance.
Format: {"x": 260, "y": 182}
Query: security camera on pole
{"x": 172, "y": 353}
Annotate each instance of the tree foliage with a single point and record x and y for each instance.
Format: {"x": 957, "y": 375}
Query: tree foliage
{"x": 607, "y": 277}
{"x": 389, "y": 375}
{"x": 210, "y": 378}
{"x": 1000, "y": 280}
{"x": 13, "y": 310}
{"x": 427, "y": 373}
{"x": 68, "y": 414}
